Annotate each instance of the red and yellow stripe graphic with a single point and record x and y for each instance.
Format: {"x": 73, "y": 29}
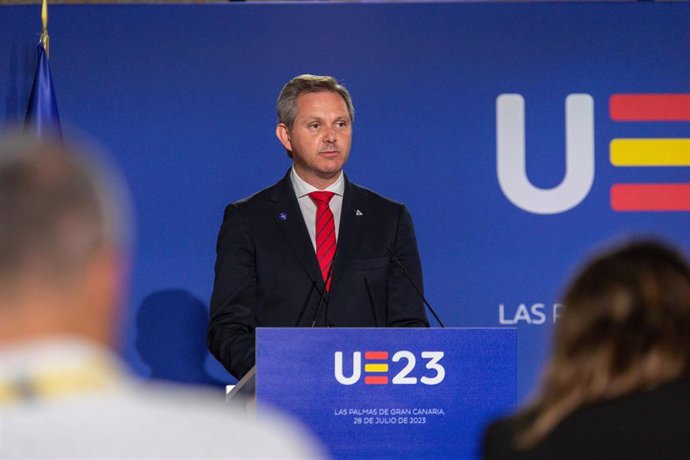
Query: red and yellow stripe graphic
{"x": 376, "y": 380}
{"x": 663, "y": 152}
{"x": 376, "y": 368}
{"x": 650, "y": 107}
{"x": 376, "y": 355}
{"x": 650, "y": 197}
{"x": 650, "y": 152}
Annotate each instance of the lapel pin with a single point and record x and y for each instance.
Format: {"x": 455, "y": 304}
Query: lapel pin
{"x": 358, "y": 213}
{"x": 283, "y": 216}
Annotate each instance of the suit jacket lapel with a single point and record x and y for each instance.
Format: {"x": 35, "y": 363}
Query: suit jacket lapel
{"x": 348, "y": 234}
{"x": 288, "y": 218}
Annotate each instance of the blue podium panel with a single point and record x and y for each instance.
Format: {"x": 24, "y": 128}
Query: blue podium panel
{"x": 390, "y": 393}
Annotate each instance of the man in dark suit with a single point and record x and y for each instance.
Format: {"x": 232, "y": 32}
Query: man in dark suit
{"x": 313, "y": 249}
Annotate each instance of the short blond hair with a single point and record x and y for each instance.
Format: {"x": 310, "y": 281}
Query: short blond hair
{"x": 286, "y": 105}
{"x": 58, "y": 205}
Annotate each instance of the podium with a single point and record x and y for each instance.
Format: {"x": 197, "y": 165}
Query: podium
{"x": 390, "y": 393}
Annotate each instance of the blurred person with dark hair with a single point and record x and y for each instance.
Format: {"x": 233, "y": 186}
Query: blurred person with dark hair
{"x": 63, "y": 393}
{"x": 617, "y": 385}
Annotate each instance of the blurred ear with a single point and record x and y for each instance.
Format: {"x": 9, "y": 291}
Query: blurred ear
{"x": 283, "y": 134}
{"x": 104, "y": 290}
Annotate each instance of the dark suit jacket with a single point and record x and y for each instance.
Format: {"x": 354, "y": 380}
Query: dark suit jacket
{"x": 267, "y": 273}
{"x": 653, "y": 424}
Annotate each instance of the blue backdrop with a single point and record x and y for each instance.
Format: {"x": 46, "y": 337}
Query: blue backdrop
{"x": 183, "y": 96}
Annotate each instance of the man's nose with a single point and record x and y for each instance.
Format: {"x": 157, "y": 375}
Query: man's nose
{"x": 329, "y": 135}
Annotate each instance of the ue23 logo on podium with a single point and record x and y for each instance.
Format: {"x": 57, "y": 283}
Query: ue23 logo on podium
{"x": 376, "y": 368}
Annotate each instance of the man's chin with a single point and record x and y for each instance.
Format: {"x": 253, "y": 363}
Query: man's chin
{"x": 331, "y": 167}
{"x": 331, "y": 172}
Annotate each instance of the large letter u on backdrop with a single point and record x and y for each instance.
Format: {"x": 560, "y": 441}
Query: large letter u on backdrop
{"x": 579, "y": 155}
{"x": 356, "y": 368}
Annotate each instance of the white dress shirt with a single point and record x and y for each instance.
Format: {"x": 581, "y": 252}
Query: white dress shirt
{"x": 308, "y": 208}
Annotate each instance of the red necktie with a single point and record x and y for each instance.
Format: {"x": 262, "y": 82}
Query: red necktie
{"x": 325, "y": 233}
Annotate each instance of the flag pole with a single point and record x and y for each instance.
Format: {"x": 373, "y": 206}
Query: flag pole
{"x": 45, "y": 38}
{"x": 42, "y": 113}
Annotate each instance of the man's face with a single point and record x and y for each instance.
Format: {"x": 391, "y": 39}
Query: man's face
{"x": 320, "y": 139}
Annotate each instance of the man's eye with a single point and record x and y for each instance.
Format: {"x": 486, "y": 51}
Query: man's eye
{"x": 314, "y": 126}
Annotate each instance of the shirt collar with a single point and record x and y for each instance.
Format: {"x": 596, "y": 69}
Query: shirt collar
{"x": 56, "y": 367}
{"x": 302, "y": 188}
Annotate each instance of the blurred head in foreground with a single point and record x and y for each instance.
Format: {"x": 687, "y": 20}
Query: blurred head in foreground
{"x": 625, "y": 331}
{"x": 62, "y": 239}
{"x": 626, "y": 328}
{"x": 63, "y": 394}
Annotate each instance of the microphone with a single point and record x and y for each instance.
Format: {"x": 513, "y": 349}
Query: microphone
{"x": 323, "y": 293}
{"x": 409, "y": 278}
